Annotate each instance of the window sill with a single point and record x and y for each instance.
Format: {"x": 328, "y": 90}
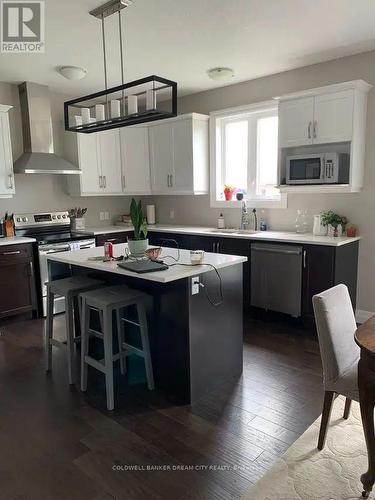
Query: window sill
{"x": 253, "y": 203}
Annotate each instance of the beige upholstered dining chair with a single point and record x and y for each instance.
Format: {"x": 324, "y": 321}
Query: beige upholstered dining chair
{"x": 336, "y": 325}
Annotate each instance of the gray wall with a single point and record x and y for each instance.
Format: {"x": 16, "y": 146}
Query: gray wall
{"x": 48, "y": 192}
{"x": 360, "y": 208}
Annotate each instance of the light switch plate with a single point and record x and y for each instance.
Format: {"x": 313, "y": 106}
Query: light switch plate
{"x": 195, "y": 285}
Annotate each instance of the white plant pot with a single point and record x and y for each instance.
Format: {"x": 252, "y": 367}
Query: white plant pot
{"x": 331, "y": 231}
{"x": 77, "y": 224}
{"x": 137, "y": 247}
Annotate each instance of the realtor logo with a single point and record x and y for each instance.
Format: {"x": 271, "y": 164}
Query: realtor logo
{"x": 22, "y": 27}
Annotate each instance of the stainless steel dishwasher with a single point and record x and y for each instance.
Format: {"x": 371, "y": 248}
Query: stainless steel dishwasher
{"x": 276, "y": 277}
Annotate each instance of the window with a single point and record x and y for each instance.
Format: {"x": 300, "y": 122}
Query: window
{"x": 244, "y": 152}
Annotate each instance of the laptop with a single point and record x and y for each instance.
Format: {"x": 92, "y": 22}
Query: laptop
{"x": 143, "y": 266}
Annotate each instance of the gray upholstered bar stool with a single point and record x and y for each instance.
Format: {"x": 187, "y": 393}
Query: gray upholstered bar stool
{"x": 106, "y": 301}
{"x": 69, "y": 288}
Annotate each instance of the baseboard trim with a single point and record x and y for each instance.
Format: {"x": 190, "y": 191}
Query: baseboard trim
{"x": 362, "y": 316}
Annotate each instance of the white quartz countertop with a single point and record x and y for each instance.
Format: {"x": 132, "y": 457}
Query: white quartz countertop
{"x": 15, "y": 240}
{"x": 175, "y": 272}
{"x": 277, "y": 236}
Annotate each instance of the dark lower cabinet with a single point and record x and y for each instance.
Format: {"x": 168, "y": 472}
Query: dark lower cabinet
{"x": 114, "y": 238}
{"x": 325, "y": 267}
{"x": 17, "y": 280}
{"x": 230, "y": 246}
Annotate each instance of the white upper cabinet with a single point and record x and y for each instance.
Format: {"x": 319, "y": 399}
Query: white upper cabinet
{"x": 161, "y": 157}
{"x": 296, "y": 122}
{"x": 321, "y": 120}
{"x": 7, "y": 188}
{"x": 88, "y": 160}
{"x": 333, "y": 117}
{"x": 135, "y": 160}
{"x": 321, "y": 116}
{"x": 166, "y": 157}
{"x": 110, "y": 161}
{"x": 179, "y": 155}
{"x": 99, "y": 158}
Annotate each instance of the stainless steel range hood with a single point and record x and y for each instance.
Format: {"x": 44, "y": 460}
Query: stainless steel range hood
{"x": 38, "y": 156}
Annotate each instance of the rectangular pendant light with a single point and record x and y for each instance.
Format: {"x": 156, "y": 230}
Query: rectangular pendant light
{"x": 145, "y": 100}
{"x": 141, "y": 101}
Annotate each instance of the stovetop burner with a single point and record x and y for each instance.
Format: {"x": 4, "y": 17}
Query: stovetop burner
{"x": 46, "y": 238}
{"x": 48, "y": 227}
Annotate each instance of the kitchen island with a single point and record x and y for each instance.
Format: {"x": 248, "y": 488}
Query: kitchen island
{"x": 195, "y": 315}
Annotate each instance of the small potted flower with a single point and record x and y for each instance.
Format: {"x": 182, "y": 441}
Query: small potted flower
{"x": 335, "y": 223}
{"x": 138, "y": 243}
{"x": 228, "y": 192}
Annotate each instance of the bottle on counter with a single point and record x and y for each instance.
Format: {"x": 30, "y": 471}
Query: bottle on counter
{"x": 301, "y": 222}
{"x": 263, "y": 222}
{"x": 221, "y": 222}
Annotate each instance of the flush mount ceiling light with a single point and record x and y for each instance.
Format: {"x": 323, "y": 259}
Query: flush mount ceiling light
{"x": 220, "y": 74}
{"x": 148, "y": 99}
{"x": 72, "y": 72}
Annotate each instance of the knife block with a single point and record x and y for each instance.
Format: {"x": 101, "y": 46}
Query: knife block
{"x": 8, "y": 228}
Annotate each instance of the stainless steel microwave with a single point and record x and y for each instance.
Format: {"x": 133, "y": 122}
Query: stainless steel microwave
{"x": 318, "y": 168}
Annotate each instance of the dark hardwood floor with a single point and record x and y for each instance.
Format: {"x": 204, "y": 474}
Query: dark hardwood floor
{"x": 59, "y": 444}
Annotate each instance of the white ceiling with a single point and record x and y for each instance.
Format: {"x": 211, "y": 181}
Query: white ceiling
{"x": 180, "y": 40}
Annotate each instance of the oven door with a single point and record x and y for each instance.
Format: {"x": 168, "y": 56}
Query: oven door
{"x": 58, "y": 271}
{"x": 306, "y": 169}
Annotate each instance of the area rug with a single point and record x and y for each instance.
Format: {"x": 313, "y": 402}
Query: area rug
{"x": 305, "y": 473}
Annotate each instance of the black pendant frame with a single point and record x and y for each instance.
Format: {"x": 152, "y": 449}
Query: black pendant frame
{"x": 125, "y": 120}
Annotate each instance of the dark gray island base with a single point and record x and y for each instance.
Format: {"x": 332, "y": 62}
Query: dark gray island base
{"x": 195, "y": 345}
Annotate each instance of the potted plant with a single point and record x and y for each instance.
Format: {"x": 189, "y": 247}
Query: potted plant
{"x": 228, "y": 192}
{"x": 139, "y": 243}
{"x": 335, "y": 223}
{"x": 77, "y": 220}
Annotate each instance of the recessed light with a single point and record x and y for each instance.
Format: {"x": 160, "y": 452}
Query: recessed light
{"x": 72, "y": 72}
{"x": 220, "y": 73}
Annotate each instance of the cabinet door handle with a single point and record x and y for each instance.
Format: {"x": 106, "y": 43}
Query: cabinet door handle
{"x": 100, "y": 181}
{"x": 304, "y": 259}
{"x": 314, "y": 128}
{"x": 123, "y": 182}
{"x": 167, "y": 180}
{"x": 213, "y": 247}
{"x": 171, "y": 180}
{"x": 309, "y": 131}
{"x": 105, "y": 180}
{"x": 218, "y": 247}
{"x": 17, "y": 252}
{"x": 10, "y": 179}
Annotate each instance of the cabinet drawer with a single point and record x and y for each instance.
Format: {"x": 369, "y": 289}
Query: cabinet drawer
{"x": 114, "y": 238}
{"x": 14, "y": 253}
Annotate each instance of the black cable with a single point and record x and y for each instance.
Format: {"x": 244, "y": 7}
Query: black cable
{"x": 221, "y": 300}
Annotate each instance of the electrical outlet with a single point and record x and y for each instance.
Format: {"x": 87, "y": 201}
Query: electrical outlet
{"x": 195, "y": 285}
{"x": 171, "y": 214}
{"x": 101, "y": 215}
{"x": 106, "y": 215}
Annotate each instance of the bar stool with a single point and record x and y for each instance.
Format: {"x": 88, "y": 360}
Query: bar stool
{"x": 69, "y": 288}
{"x": 106, "y": 301}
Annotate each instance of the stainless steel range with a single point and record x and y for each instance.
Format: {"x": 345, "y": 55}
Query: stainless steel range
{"x": 53, "y": 234}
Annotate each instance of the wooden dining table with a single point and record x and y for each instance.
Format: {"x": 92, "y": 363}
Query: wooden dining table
{"x": 365, "y": 338}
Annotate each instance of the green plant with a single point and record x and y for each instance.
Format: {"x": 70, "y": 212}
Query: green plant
{"x": 138, "y": 220}
{"x": 329, "y": 218}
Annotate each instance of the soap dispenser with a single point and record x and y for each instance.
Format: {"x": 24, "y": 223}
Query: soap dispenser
{"x": 221, "y": 222}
